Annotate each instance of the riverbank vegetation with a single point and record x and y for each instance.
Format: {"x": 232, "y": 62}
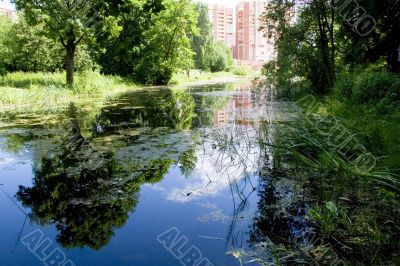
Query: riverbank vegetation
{"x": 148, "y": 42}
{"x": 43, "y": 89}
{"x": 343, "y": 69}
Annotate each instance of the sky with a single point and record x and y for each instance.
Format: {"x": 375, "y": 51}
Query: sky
{"x": 6, "y": 4}
{"x": 231, "y": 3}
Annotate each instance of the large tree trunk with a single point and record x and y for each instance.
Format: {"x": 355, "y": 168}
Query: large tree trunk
{"x": 70, "y": 62}
{"x": 325, "y": 36}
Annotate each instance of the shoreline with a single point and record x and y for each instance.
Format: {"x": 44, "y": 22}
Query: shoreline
{"x": 47, "y": 98}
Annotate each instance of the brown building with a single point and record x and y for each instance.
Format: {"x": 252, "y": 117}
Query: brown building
{"x": 222, "y": 19}
{"x": 252, "y": 47}
{"x": 239, "y": 29}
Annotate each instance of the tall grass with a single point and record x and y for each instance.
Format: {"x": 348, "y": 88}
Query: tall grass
{"x": 355, "y": 212}
{"x": 44, "y": 89}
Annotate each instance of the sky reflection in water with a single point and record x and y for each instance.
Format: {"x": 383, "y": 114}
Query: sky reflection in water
{"x": 169, "y": 159}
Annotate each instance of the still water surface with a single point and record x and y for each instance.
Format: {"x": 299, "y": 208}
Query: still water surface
{"x": 104, "y": 180}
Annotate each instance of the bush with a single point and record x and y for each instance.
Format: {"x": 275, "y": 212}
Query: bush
{"x": 375, "y": 86}
{"x": 368, "y": 86}
{"x": 240, "y": 71}
{"x": 219, "y": 58}
{"x": 156, "y": 74}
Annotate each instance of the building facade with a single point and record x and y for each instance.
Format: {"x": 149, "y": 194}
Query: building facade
{"x": 239, "y": 29}
{"x": 252, "y": 47}
{"x": 222, "y": 19}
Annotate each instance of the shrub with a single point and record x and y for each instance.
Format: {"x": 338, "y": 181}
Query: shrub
{"x": 368, "y": 86}
{"x": 240, "y": 71}
{"x": 376, "y": 86}
{"x": 219, "y": 58}
{"x": 148, "y": 72}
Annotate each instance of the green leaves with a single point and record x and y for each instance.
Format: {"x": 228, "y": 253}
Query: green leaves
{"x": 210, "y": 55}
{"x": 168, "y": 45}
{"x": 330, "y": 218}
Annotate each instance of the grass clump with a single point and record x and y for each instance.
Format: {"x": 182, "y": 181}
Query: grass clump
{"x": 354, "y": 212}
{"x": 44, "y": 89}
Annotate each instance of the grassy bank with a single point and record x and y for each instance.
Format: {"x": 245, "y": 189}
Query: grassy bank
{"x": 44, "y": 90}
{"x": 356, "y": 210}
{"x": 195, "y": 76}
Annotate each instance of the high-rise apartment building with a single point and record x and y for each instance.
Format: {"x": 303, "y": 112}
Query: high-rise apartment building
{"x": 240, "y": 30}
{"x": 222, "y": 19}
{"x": 251, "y": 44}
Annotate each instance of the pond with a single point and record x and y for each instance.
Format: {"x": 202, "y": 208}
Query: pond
{"x": 150, "y": 177}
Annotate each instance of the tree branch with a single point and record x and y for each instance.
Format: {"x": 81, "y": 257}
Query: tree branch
{"x": 62, "y": 42}
{"x": 79, "y": 40}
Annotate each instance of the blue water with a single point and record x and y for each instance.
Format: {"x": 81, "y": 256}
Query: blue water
{"x": 212, "y": 203}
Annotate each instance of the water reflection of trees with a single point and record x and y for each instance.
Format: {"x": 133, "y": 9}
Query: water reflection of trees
{"x": 209, "y": 99}
{"x": 87, "y": 189}
{"x": 153, "y": 108}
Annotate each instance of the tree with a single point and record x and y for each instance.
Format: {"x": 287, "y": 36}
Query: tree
{"x": 219, "y": 58}
{"x": 121, "y": 53}
{"x": 153, "y": 43}
{"x": 5, "y": 28}
{"x": 70, "y": 22}
{"x": 378, "y": 40}
{"x": 211, "y": 55}
{"x": 306, "y": 46}
{"x": 29, "y": 50}
{"x": 167, "y": 45}
{"x": 203, "y": 42}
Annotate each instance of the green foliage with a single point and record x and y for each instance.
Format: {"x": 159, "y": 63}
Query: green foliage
{"x": 29, "y": 50}
{"x": 369, "y": 86}
{"x": 219, "y": 58}
{"x": 210, "y": 55}
{"x": 240, "y": 71}
{"x": 153, "y": 43}
{"x": 5, "y": 28}
{"x": 330, "y": 218}
{"x": 151, "y": 71}
{"x": 344, "y": 85}
{"x": 202, "y": 43}
{"x": 70, "y": 23}
{"x": 324, "y": 41}
{"x": 376, "y": 86}
{"x": 306, "y": 47}
{"x": 168, "y": 46}
{"x": 149, "y": 40}
{"x": 353, "y": 211}
{"x": 119, "y": 54}
{"x": 42, "y": 90}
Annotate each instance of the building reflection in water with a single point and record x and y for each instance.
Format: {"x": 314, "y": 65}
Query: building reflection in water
{"x": 238, "y": 110}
